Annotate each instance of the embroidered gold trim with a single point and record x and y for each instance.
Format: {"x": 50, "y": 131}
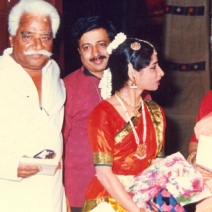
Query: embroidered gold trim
{"x": 157, "y": 119}
{"x": 91, "y": 204}
{"x": 126, "y": 130}
{"x": 102, "y": 158}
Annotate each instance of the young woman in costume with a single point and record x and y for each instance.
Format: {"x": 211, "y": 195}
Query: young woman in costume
{"x": 126, "y": 133}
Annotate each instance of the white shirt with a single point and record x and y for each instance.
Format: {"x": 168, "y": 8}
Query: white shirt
{"x": 25, "y": 129}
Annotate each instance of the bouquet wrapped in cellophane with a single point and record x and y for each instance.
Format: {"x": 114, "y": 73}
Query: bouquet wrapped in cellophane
{"x": 173, "y": 173}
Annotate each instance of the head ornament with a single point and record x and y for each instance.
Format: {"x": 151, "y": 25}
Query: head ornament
{"x": 105, "y": 83}
{"x": 135, "y": 46}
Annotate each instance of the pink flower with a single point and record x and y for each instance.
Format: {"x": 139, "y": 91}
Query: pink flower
{"x": 197, "y": 185}
{"x": 186, "y": 193}
{"x": 172, "y": 162}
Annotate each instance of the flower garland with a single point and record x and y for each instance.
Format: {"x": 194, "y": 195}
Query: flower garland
{"x": 119, "y": 38}
{"x": 105, "y": 84}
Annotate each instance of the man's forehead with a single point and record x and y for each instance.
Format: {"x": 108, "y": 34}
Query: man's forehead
{"x": 30, "y": 20}
{"x": 92, "y": 42}
{"x": 94, "y": 36}
{"x": 30, "y": 23}
{"x": 30, "y": 16}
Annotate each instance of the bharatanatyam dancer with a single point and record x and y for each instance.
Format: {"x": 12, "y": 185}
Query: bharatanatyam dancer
{"x": 126, "y": 133}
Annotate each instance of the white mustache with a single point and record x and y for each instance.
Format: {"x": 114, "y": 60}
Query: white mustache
{"x": 43, "y": 52}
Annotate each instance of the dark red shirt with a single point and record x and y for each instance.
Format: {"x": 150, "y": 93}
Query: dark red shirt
{"x": 83, "y": 95}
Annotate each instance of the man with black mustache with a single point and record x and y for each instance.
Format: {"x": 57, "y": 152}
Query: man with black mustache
{"x": 93, "y": 35}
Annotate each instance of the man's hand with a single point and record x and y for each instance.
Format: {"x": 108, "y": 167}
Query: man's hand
{"x": 27, "y": 171}
{"x": 204, "y": 126}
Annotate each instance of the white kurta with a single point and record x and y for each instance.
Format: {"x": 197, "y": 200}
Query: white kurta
{"x": 25, "y": 129}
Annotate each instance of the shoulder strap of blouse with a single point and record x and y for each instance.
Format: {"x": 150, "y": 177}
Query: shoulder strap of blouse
{"x": 157, "y": 118}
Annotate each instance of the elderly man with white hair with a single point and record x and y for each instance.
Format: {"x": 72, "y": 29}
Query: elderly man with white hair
{"x": 31, "y": 111}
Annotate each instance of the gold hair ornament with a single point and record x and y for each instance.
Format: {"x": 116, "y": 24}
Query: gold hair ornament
{"x": 136, "y": 47}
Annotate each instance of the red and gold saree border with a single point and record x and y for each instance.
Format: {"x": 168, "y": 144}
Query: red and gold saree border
{"x": 157, "y": 119}
{"x": 126, "y": 130}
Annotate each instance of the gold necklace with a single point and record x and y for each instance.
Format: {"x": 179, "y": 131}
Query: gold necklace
{"x": 141, "y": 150}
{"x": 133, "y": 106}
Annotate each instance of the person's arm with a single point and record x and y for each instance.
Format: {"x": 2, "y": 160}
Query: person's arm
{"x": 204, "y": 126}
{"x": 101, "y": 138}
{"x": 192, "y": 150}
{"x": 204, "y": 118}
{"x": 115, "y": 188}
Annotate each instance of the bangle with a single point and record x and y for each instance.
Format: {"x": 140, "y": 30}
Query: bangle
{"x": 191, "y": 157}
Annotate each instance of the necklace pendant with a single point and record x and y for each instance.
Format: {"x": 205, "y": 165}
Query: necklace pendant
{"x": 141, "y": 151}
{"x": 136, "y": 112}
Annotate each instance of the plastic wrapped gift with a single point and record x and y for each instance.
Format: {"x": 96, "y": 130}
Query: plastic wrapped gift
{"x": 164, "y": 201}
{"x": 173, "y": 173}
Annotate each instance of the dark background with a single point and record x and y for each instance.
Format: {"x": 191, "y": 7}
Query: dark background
{"x": 136, "y": 18}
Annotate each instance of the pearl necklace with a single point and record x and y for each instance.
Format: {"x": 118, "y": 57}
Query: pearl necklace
{"x": 141, "y": 147}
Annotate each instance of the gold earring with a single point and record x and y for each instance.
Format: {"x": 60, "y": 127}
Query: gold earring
{"x": 133, "y": 85}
